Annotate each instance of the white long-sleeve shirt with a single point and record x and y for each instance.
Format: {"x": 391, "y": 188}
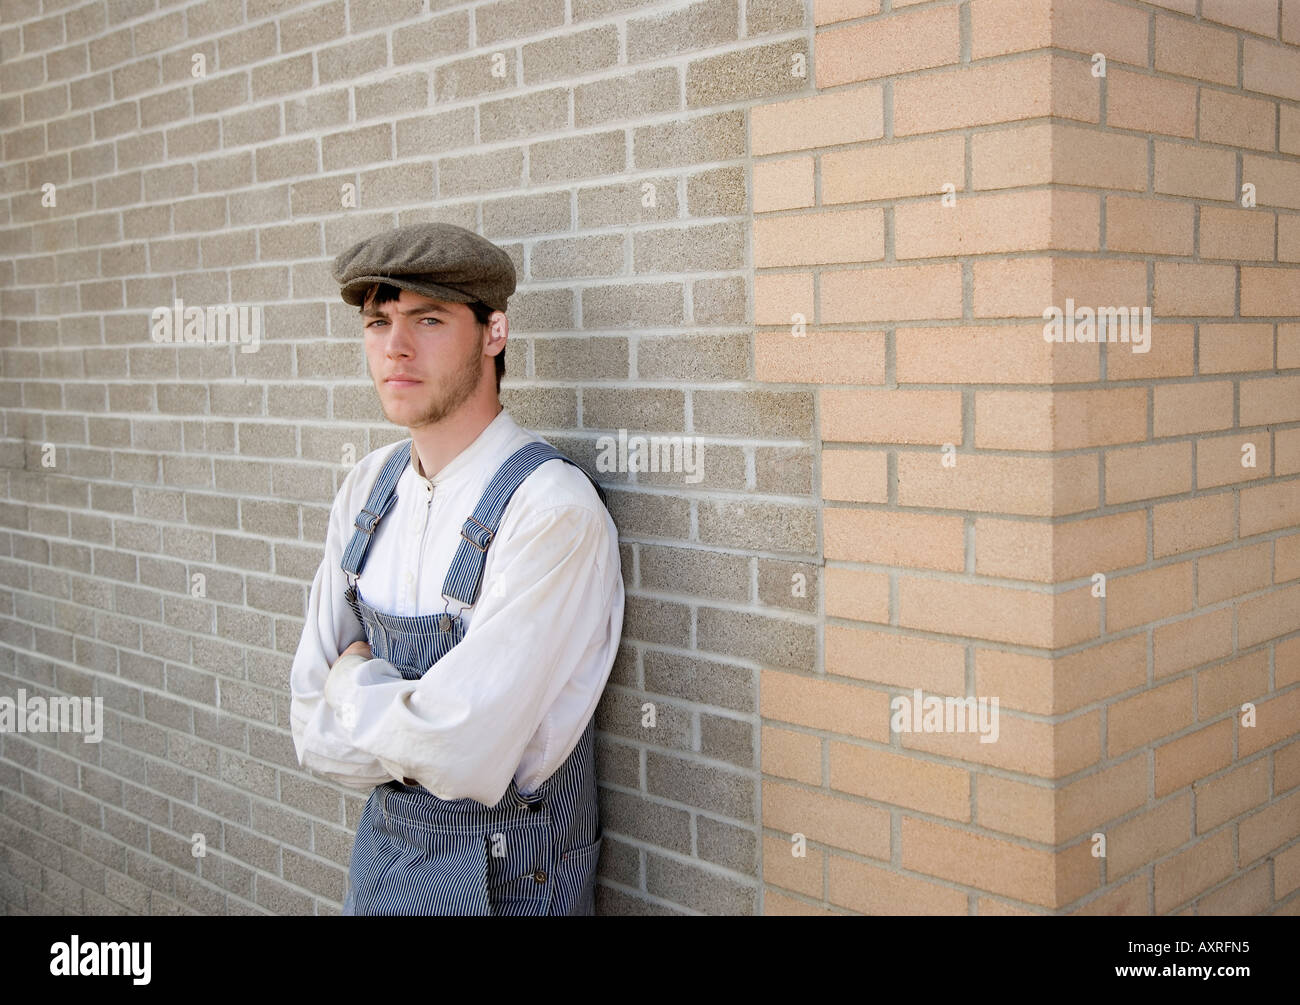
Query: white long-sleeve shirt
{"x": 512, "y": 698}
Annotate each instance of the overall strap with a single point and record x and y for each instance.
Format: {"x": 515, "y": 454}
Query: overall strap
{"x": 466, "y": 572}
{"x": 381, "y": 499}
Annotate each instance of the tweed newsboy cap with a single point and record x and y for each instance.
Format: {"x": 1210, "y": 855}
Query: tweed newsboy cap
{"x": 439, "y": 260}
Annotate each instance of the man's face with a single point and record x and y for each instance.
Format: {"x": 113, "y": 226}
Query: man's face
{"x": 426, "y": 357}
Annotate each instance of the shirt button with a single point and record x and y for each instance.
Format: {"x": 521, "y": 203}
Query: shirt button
{"x": 410, "y": 576}
{"x": 539, "y": 876}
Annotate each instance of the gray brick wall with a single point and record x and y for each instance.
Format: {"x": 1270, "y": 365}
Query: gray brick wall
{"x": 543, "y": 124}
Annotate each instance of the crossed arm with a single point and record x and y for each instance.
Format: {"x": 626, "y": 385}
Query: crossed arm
{"x": 552, "y": 601}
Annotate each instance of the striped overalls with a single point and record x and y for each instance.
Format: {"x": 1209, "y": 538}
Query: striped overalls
{"x": 416, "y": 854}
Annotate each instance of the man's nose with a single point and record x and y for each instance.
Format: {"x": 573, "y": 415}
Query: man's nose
{"x": 401, "y": 340}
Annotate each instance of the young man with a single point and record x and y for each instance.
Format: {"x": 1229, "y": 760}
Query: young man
{"x": 459, "y": 676}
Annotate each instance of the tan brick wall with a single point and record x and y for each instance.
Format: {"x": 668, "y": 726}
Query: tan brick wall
{"x": 916, "y": 322}
{"x": 826, "y": 563}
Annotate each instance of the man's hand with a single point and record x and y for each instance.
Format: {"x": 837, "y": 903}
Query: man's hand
{"x": 361, "y": 648}
{"x": 334, "y": 683}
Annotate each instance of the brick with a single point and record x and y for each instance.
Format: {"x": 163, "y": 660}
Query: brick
{"x": 887, "y": 538}
{"x": 1002, "y": 614}
{"x": 1019, "y": 221}
{"x": 888, "y": 47}
{"x": 1031, "y": 875}
{"x": 1148, "y": 472}
{"x": 988, "y": 483}
{"x": 1064, "y": 420}
{"x": 761, "y": 71}
{"x": 1286, "y": 767}
{"x": 1236, "y": 120}
{"x": 1231, "y": 573}
{"x": 837, "y": 708}
{"x": 1230, "y": 795}
{"x": 1029, "y": 87}
{"x": 1194, "y": 289}
{"x": 873, "y": 890}
{"x": 781, "y": 867}
{"x": 1182, "y": 762}
{"x": 855, "y": 475}
{"x": 1148, "y": 836}
{"x": 830, "y": 11}
{"x": 869, "y": 416}
{"x": 1149, "y": 226}
{"x": 850, "y": 116}
{"x": 1286, "y": 872}
{"x": 1268, "y": 616}
{"x": 986, "y": 354}
{"x": 1150, "y": 104}
{"x": 1186, "y": 170}
{"x": 1288, "y": 238}
{"x": 833, "y": 357}
{"x": 1101, "y": 797}
{"x": 1259, "y": 16}
{"x": 1245, "y": 895}
{"x": 1269, "y": 829}
{"x": 1007, "y": 158}
{"x": 1192, "y": 408}
{"x": 1045, "y": 553}
{"x": 999, "y": 27}
{"x": 834, "y": 821}
{"x": 1289, "y": 134}
{"x": 1270, "y": 400}
{"x": 1195, "y": 50}
{"x": 791, "y": 754}
{"x": 783, "y": 299}
{"x": 693, "y": 27}
{"x": 857, "y": 594}
{"x": 897, "y": 293}
{"x": 1151, "y": 595}
{"x": 891, "y": 170}
{"x": 1219, "y": 460}
{"x": 1095, "y": 26}
{"x": 1136, "y": 721}
{"x": 1235, "y": 347}
{"x": 1192, "y": 524}
{"x": 900, "y": 780}
{"x": 821, "y": 237}
{"x": 898, "y": 660}
{"x": 1276, "y": 181}
{"x": 1017, "y": 808}
{"x": 783, "y": 184}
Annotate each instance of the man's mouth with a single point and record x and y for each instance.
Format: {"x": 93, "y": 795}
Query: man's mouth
{"x": 401, "y": 381}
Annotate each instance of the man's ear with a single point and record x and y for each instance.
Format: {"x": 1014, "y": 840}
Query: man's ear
{"x": 498, "y": 331}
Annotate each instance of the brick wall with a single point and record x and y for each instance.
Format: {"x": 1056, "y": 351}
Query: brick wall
{"x": 603, "y": 144}
{"x": 676, "y": 182}
{"x": 1102, "y": 538}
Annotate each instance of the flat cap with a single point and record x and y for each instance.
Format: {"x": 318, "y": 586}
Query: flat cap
{"x": 439, "y": 260}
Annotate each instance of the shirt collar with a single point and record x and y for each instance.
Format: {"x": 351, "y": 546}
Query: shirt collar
{"x": 494, "y": 434}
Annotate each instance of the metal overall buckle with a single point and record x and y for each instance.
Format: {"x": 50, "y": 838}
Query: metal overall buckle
{"x": 446, "y": 619}
{"x": 487, "y": 541}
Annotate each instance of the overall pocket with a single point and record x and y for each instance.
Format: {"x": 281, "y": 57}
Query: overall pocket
{"x": 519, "y": 856}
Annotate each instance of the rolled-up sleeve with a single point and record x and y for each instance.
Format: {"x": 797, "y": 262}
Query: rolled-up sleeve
{"x": 554, "y": 600}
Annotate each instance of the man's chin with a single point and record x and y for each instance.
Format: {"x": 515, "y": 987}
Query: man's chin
{"x": 410, "y": 414}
